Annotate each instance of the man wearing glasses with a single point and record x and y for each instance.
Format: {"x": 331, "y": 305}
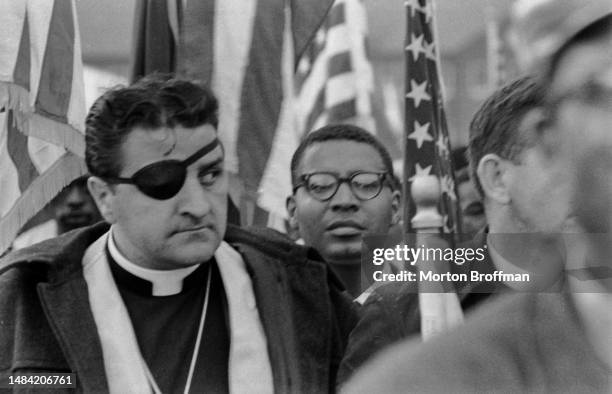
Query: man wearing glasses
{"x": 343, "y": 188}
{"x": 169, "y": 297}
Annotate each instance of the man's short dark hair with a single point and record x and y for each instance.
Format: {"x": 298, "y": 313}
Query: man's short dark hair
{"x": 342, "y": 132}
{"x": 153, "y": 102}
{"x": 495, "y": 126}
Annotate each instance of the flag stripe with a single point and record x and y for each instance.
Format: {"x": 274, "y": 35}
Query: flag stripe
{"x": 335, "y": 19}
{"x": 195, "y": 50}
{"x": 17, "y": 145}
{"x": 233, "y": 33}
{"x": 306, "y": 18}
{"x": 53, "y": 98}
{"x": 340, "y": 89}
{"x": 344, "y": 110}
{"x": 337, "y": 15}
{"x": 9, "y": 177}
{"x": 275, "y": 184}
{"x": 262, "y": 93}
{"x": 21, "y": 74}
{"x": 339, "y": 63}
{"x": 154, "y": 44}
{"x": 316, "y": 111}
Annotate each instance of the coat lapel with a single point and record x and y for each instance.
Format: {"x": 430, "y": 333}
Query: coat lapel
{"x": 298, "y": 330}
{"x": 67, "y": 308}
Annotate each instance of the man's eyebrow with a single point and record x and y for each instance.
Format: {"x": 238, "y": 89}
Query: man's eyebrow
{"x": 211, "y": 164}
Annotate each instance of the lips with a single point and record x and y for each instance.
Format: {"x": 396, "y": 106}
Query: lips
{"x": 195, "y": 229}
{"x": 76, "y": 218}
{"x": 345, "y": 228}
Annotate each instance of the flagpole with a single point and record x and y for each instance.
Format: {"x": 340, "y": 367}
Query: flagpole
{"x": 428, "y": 183}
{"x": 439, "y": 307}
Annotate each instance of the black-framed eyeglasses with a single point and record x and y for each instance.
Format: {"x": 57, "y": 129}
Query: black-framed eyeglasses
{"x": 323, "y": 186}
{"x": 164, "y": 179}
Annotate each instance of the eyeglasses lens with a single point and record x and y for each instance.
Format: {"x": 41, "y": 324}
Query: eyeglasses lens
{"x": 364, "y": 186}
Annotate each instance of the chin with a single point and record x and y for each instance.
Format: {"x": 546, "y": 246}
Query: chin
{"x": 345, "y": 255}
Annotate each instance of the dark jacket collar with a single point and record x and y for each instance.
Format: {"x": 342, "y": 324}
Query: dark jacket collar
{"x": 278, "y": 268}
{"x": 69, "y": 248}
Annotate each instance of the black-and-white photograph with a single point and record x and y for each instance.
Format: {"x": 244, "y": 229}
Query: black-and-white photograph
{"x": 306, "y": 196}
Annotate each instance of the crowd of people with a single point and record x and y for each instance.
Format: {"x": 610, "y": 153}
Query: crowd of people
{"x": 164, "y": 295}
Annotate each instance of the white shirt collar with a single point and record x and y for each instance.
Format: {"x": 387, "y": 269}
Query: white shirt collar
{"x": 164, "y": 282}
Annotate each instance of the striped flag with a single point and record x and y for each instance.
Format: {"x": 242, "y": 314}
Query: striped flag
{"x": 42, "y": 107}
{"x": 333, "y": 83}
{"x": 278, "y": 67}
{"x": 427, "y": 145}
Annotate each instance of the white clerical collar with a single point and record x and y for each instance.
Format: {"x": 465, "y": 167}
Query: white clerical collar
{"x": 164, "y": 283}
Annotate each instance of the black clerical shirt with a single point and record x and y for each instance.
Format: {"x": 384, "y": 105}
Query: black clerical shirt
{"x": 166, "y": 328}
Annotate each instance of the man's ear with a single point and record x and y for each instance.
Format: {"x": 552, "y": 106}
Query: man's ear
{"x": 493, "y": 175}
{"x": 103, "y": 195}
{"x": 291, "y": 212}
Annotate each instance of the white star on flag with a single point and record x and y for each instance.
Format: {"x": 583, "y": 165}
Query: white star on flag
{"x": 448, "y": 187}
{"x": 430, "y": 50}
{"x": 320, "y": 37}
{"x": 420, "y": 133}
{"x": 419, "y": 171}
{"x": 416, "y": 47}
{"x": 445, "y": 228}
{"x": 442, "y": 145}
{"x": 418, "y": 92}
{"x": 428, "y": 10}
{"x": 304, "y": 65}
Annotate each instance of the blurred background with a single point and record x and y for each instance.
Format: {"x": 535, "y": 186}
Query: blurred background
{"x": 466, "y": 38}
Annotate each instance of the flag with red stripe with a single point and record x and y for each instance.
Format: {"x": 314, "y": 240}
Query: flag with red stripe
{"x": 42, "y": 107}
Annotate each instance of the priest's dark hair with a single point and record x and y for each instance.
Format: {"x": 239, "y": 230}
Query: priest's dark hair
{"x": 153, "y": 102}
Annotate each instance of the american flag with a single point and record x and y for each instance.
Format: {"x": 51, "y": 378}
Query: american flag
{"x": 333, "y": 83}
{"x": 278, "y": 67}
{"x": 427, "y": 149}
{"x": 42, "y": 108}
{"x": 334, "y": 79}
{"x": 427, "y": 152}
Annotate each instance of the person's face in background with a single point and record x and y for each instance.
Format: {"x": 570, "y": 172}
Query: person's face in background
{"x": 74, "y": 207}
{"x": 335, "y": 227}
{"x": 472, "y": 209}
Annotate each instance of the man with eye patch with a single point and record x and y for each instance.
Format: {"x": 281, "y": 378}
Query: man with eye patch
{"x": 165, "y": 296}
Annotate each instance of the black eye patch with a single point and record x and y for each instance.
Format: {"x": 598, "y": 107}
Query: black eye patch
{"x": 164, "y": 179}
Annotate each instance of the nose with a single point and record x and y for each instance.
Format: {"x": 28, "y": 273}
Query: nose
{"x": 76, "y": 198}
{"x": 344, "y": 199}
{"x": 193, "y": 199}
